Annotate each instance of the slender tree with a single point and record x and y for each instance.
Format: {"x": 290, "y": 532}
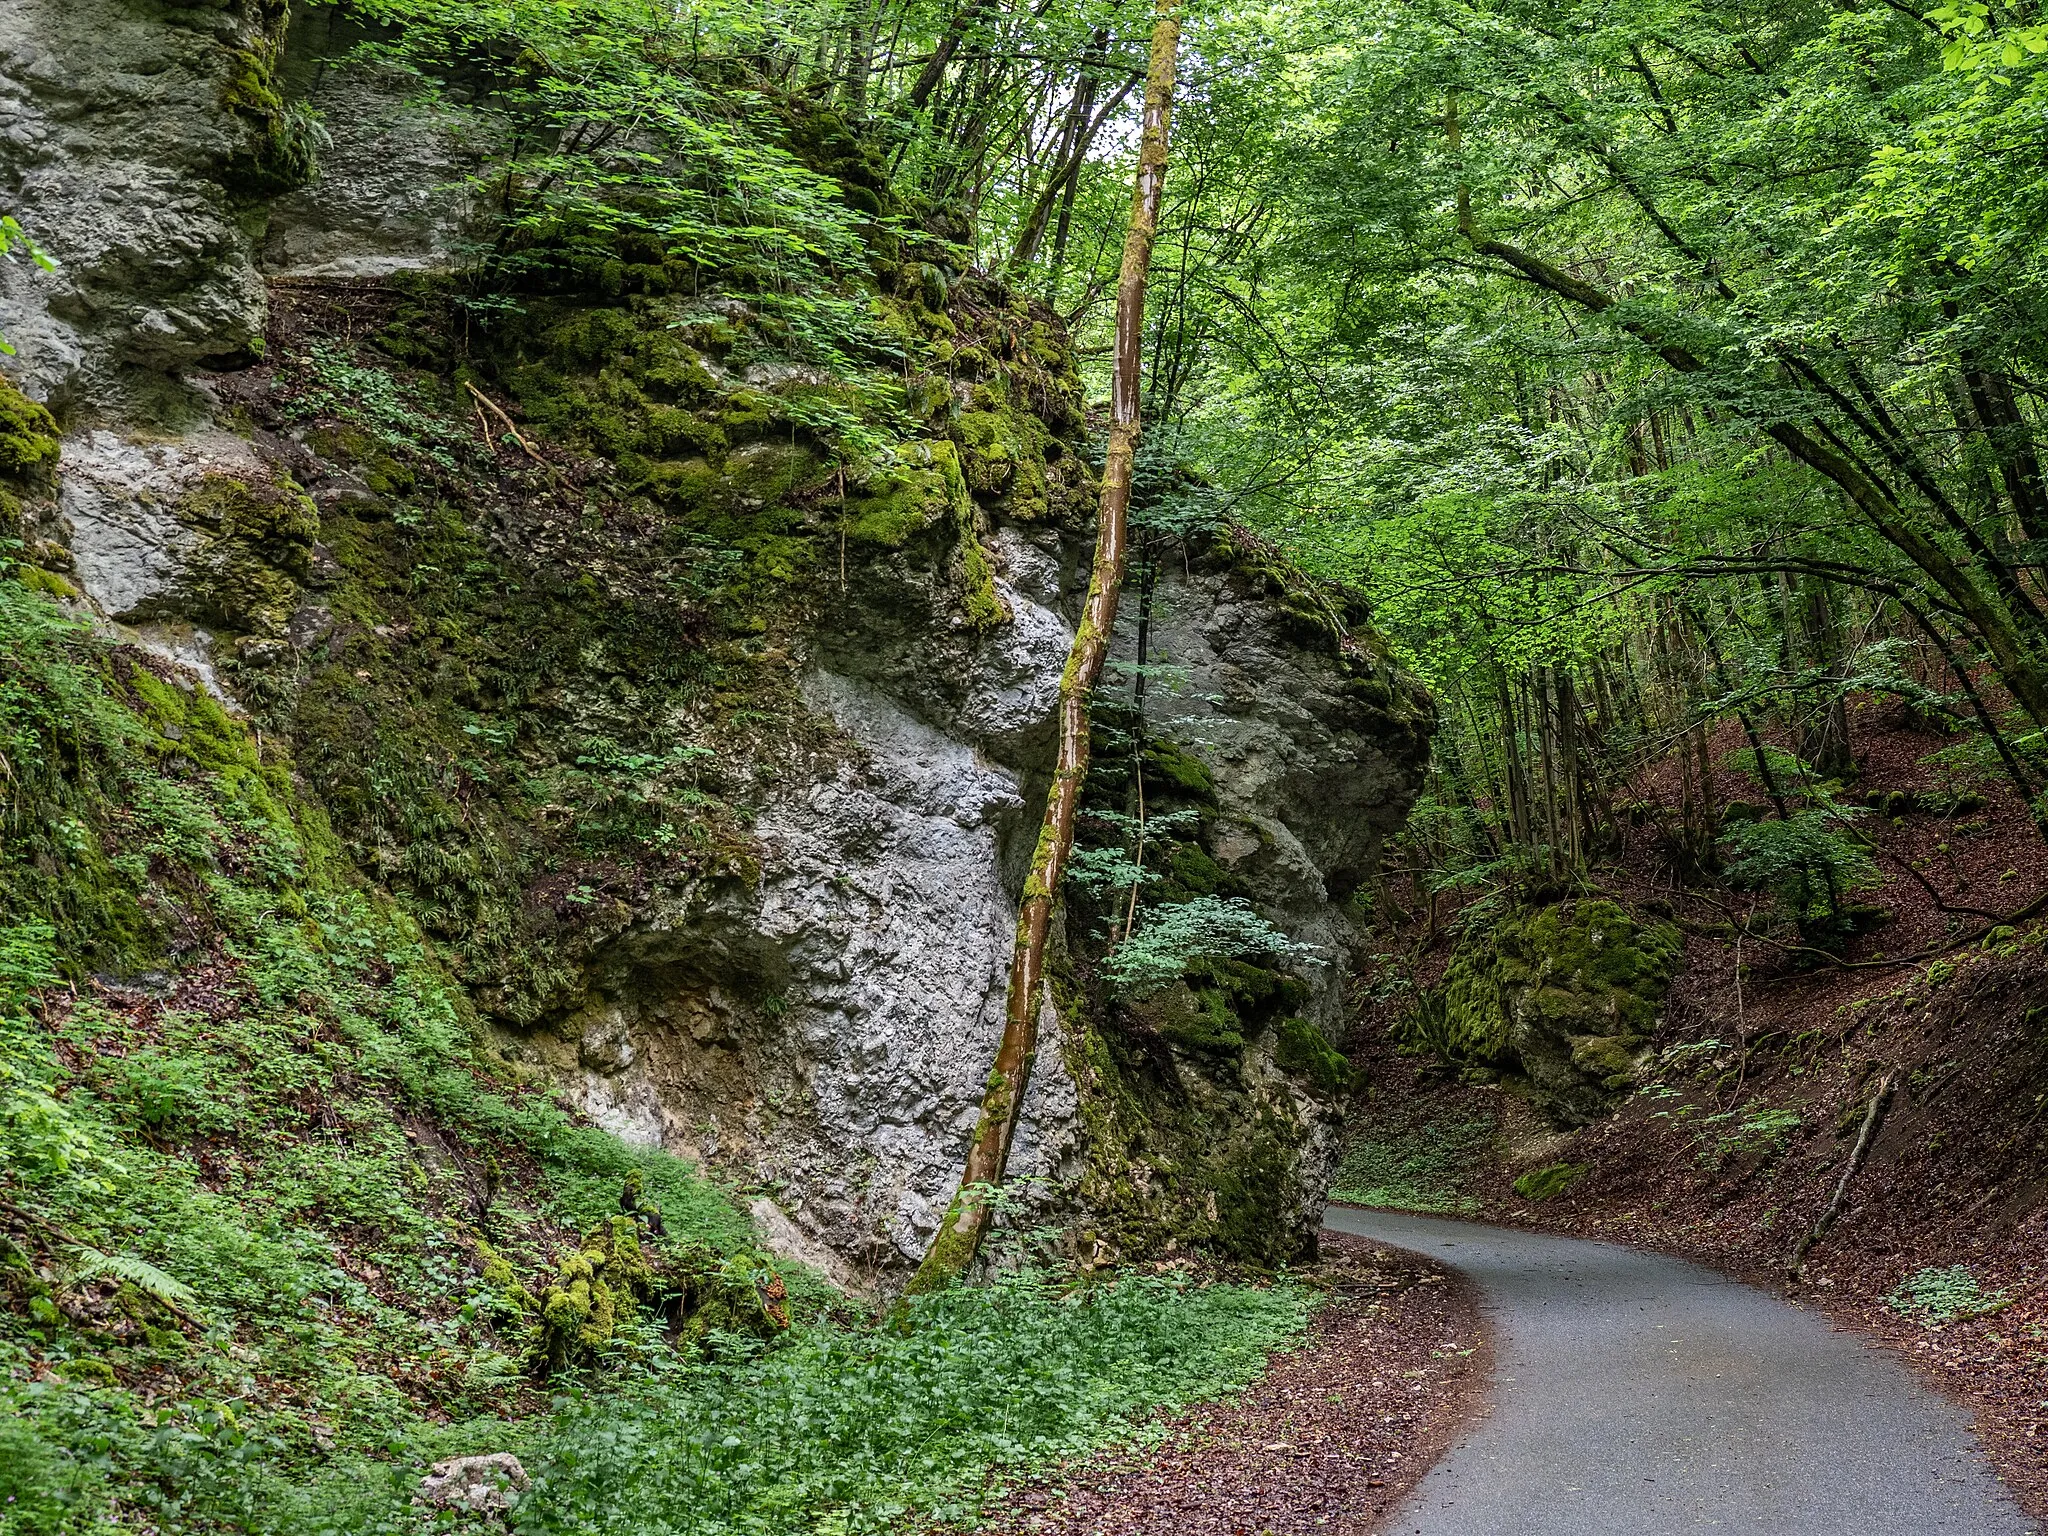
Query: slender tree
{"x": 959, "y": 1237}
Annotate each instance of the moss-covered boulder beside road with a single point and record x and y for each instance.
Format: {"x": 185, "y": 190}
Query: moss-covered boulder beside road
{"x": 1562, "y": 997}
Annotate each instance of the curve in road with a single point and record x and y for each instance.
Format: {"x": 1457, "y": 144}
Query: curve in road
{"x": 1637, "y": 1395}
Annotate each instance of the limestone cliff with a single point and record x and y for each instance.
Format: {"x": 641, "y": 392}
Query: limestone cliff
{"x": 706, "y": 758}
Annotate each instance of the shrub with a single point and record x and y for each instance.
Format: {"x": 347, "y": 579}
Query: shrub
{"x": 1207, "y": 928}
{"x": 1938, "y": 1295}
{"x": 1810, "y": 862}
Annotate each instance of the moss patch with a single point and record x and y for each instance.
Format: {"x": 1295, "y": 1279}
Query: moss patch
{"x": 1302, "y": 1049}
{"x": 277, "y": 148}
{"x": 1550, "y": 1181}
{"x": 1564, "y": 994}
{"x": 28, "y": 455}
{"x": 28, "y": 439}
{"x": 254, "y": 555}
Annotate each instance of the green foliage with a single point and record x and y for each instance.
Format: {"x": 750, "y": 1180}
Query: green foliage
{"x": 635, "y": 170}
{"x": 1168, "y": 938}
{"x": 42, "y": 1140}
{"x": 328, "y": 380}
{"x": 1939, "y": 1295}
{"x": 1750, "y": 1128}
{"x": 1418, "y": 1166}
{"x": 1809, "y": 861}
{"x": 141, "y": 1274}
{"x": 14, "y": 239}
{"x": 866, "y": 1430}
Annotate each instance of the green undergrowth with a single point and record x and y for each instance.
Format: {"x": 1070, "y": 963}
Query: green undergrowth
{"x": 1423, "y": 1165}
{"x": 265, "y": 1203}
{"x": 277, "y": 1230}
{"x": 857, "y": 1431}
{"x": 1937, "y": 1294}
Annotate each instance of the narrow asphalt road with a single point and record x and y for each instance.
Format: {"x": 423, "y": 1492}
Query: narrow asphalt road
{"x": 1636, "y": 1395}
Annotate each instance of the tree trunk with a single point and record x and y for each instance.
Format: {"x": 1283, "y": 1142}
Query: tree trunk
{"x": 967, "y": 1219}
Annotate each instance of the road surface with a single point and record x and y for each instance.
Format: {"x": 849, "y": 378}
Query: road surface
{"x": 1637, "y": 1395}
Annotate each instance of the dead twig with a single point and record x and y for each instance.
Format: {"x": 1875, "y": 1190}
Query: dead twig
{"x": 1873, "y": 1119}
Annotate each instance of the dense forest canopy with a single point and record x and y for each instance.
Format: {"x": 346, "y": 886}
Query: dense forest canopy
{"x": 1648, "y": 366}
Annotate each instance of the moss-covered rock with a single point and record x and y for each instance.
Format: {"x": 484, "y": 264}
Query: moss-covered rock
{"x": 1565, "y": 995}
{"x": 28, "y": 439}
{"x": 1550, "y": 1181}
{"x": 254, "y": 553}
{"x": 1299, "y": 1047}
{"x": 606, "y": 1277}
{"x": 279, "y": 140}
{"x": 910, "y": 499}
{"x": 28, "y": 455}
{"x": 1200, "y": 1020}
{"x": 1003, "y": 457}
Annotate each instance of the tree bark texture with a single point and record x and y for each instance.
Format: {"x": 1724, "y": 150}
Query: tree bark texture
{"x": 967, "y": 1219}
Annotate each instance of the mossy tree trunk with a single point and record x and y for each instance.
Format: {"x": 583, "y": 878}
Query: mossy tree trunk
{"x": 967, "y": 1219}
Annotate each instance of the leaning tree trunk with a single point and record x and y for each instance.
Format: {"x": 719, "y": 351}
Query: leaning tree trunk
{"x": 967, "y": 1219}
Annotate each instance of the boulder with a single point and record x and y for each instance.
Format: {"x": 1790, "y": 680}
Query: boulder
{"x": 1563, "y": 998}
{"x": 474, "y": 1484}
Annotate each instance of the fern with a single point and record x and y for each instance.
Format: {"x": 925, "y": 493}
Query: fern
{"x": 141, "y": 1274}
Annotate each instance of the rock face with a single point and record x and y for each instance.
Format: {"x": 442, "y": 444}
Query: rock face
{"x": 137, "y": 147}
{"x": 711, "y": 766}
{"x": 390, "y": 196}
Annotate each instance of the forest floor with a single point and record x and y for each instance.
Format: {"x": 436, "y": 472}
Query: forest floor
{"x": 1330, "y": 1440}
{"x": 1767, "y": 1061}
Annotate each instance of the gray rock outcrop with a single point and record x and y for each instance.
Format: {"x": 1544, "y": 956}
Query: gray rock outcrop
{"x": 136, "y": 146}
{"x": 815, "y": 1016}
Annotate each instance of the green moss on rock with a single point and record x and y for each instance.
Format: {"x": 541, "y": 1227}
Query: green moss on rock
{"x": 254, "y": 554}
{"x": 28, "y": 439}
{"x": 278, "y": 146}
{"x": 1550, "y": 1181}
{"x": 1194, "y": 1019}
{"x": 906, "y": 501}
{"x": 1002, "y": 453}
{"x": 1302, "y": 1049}
{"x": 1564, "y": 994}
{"x": 28, "y": 455}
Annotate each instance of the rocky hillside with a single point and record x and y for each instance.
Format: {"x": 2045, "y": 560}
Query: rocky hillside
{"x": 564, "y": 630}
